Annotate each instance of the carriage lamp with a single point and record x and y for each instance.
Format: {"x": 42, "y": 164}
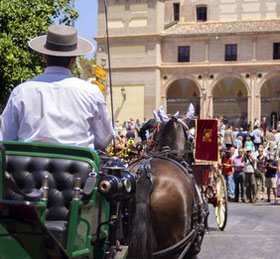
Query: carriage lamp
{"x": 116, "y": 182}
{"x": 123, "y": 92}
{"x": 109, "y": 186}
{"x": 129, "y": 183}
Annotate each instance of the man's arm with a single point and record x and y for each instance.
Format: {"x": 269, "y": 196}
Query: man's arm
{"x": 101, "y": 124}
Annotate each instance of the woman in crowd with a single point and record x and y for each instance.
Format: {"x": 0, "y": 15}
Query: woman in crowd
{"x": 249, "y": 144}
{"x": 228, "y": 172}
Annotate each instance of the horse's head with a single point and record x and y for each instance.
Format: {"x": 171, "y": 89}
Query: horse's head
{"x": 173, "y": 132}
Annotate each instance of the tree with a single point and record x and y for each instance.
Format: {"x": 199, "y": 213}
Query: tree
{"x": 20, "y": 21}
{"x": 86, "y": 67}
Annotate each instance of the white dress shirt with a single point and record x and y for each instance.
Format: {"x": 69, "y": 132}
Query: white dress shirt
{"x": 57, "y": 108}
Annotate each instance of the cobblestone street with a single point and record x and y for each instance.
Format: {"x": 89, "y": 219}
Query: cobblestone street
{"x": 252, "y": 231}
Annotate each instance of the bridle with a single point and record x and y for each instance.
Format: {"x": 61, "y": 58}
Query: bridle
{"x": 188, "y": 139}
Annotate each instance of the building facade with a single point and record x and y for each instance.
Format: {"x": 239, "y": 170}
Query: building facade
{"x": 223, "y": 56}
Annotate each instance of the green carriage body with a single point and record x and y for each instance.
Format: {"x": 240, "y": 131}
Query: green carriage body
{"x": 25, "y": 239}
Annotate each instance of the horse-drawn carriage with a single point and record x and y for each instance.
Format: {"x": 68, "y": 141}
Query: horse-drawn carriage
{"x": 64, "y": 202}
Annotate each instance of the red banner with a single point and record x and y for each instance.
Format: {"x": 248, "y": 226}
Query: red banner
{"x": 206, "y": 142}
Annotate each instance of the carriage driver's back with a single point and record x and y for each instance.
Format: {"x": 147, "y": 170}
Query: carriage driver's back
{"x": 57, "y": 107}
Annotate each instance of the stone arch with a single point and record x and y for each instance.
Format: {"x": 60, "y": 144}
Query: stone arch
{"x": 180, "y": 92}
{"x": 268, "y": 91}
{"x": 229, "y": 94}
{"x": 227, "y": 75}
{"x": 265, "y": 79}
{"x": 175, "y": 78}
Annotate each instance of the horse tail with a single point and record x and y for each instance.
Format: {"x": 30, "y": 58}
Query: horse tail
{"x": 142, "y": 239}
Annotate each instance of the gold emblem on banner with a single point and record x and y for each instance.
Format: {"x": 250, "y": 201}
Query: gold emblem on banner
{"x": 207, "y": 135}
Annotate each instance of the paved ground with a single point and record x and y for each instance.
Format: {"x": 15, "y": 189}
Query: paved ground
{"x": 252, "y": 232}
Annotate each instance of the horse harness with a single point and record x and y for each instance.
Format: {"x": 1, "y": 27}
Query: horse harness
{"x": 196, "y": 234}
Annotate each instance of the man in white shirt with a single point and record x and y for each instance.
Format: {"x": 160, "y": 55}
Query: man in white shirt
{"x": 257, "y": 134}
{"x": 57, "y": 107}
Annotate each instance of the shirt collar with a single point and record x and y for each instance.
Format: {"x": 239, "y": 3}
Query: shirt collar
{"x": 57, "y": 69}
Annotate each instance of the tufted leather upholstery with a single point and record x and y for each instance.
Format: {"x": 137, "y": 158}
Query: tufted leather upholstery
{"x": 29, "y": 171}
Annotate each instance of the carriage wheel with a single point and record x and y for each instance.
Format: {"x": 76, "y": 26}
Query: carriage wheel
{"x": 221, "y": 208}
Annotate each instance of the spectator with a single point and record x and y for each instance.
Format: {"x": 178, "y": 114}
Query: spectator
{"x": 235, "y": 132}
{"x": 269, "y": 136}
{"x": 138, "y": 126}
{"x": 249, "y": 144}
{"x": 129, "y": 134}
{"x": 118, "y": 126}
{"x": 271, "y": 167}
{"x": 250, "y": 181}
{"x": 243, "y": 135}
{"x": 256, "y": 123}
{"x": 249, "y": 126}
{"x": 239, "y": 176}
{"x": 222, "y": 126}
{"x": 265, "y": 148}
{"x": 233, "y": 152}
{"x": 264, "y": 125}
{"x": 273, "y": 122}
{"x": 228, "y": 172}
{"x": 125, "y": 124}
{"x": 228, "y": 137}
{"x": 260, "y": 177}
{"x": 238, "y": 142}
{"x": 257, "y": 135}
{"x": 277, "y": 136}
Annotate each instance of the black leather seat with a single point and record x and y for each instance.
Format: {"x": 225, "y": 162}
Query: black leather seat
{"x": 28, "y": 173}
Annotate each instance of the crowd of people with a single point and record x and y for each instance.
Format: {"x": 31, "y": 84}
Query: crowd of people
{"x": 247, "y": 158}
{"x": 129, "y": 134}
{"x": 249, "y": 161}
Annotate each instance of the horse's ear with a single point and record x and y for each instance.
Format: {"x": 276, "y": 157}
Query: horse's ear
{"x": 157, "y": 118}
{"x": 190, "y": 113}
{"x": 176, "y": 115}
{"x": 162, "y": 114}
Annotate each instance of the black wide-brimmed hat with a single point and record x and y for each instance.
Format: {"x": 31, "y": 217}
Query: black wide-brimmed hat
{"x": 61, "y": 41}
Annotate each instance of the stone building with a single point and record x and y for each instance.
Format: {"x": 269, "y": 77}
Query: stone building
{"x": 221, "y": 55}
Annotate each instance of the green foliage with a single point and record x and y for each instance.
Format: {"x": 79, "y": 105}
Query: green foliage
{"x": 20, "y": 21}
{"x": 86, "y": 67}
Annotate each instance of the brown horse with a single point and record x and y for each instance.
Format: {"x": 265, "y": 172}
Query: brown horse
{"x": 168, "y": 218}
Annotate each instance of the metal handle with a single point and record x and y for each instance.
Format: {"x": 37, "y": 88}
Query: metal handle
{"x": 45, "y": 187}
{"x": 77, "y": 188}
